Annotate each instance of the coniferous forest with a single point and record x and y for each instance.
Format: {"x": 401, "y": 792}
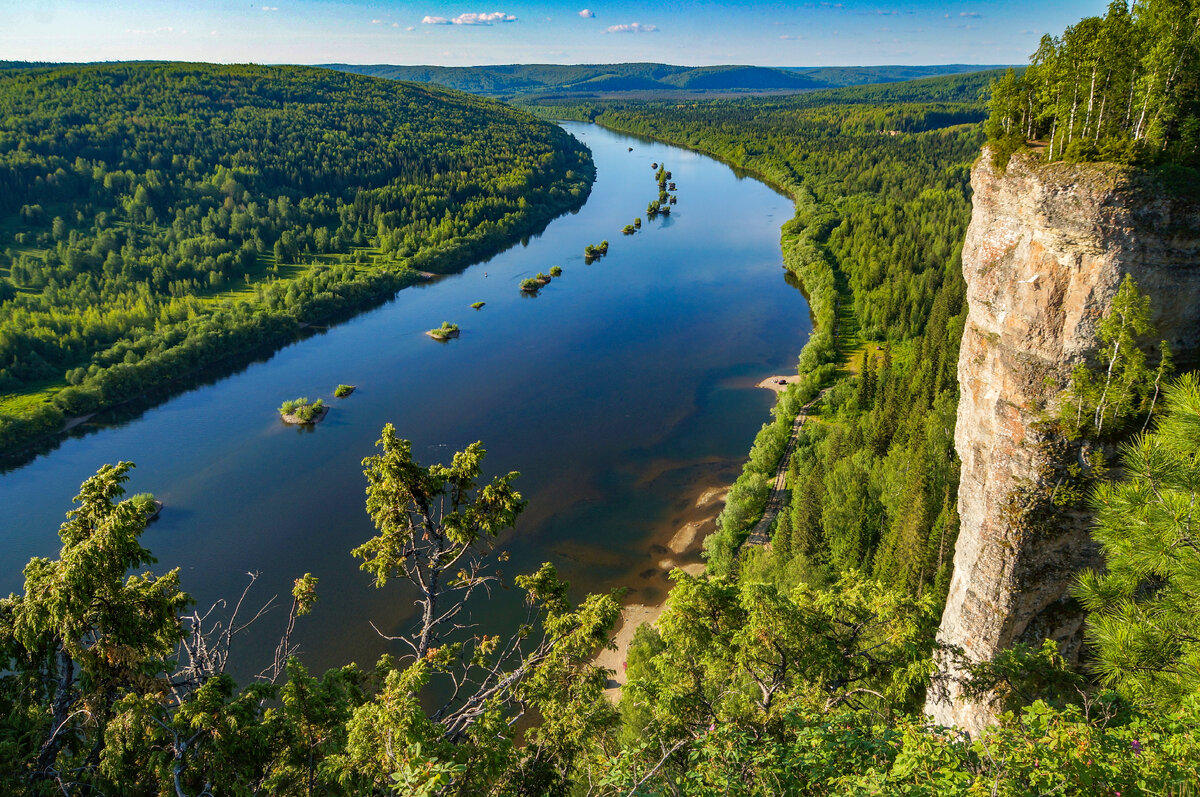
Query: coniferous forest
{"x": 158, "y": 218}
{"x": 797, "y": 668}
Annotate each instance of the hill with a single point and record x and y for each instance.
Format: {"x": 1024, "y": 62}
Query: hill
{"x": 583, "y": 80}
{"x": 156, "y": 218}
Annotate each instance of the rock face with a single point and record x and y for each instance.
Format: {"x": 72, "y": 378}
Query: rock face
{"x": 1045, "y": 252}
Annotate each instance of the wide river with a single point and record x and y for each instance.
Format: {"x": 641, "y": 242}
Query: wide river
{"x": 621, "y": 393}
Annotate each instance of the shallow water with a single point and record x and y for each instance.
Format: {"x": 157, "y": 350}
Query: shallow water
{"x": 620, "y": 392}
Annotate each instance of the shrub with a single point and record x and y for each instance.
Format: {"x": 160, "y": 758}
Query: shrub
{"x": 301, "y": 410}
{"x": 446, "y": 330}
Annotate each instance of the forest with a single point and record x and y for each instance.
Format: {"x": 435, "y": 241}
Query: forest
{"x": 529, "y": 81}
{"x": 157, "y": 218}
{"x": 1122, "y": 88}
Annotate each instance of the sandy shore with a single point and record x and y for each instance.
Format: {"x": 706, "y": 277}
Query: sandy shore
{"x": 681, "y": 550}
{"x": 779, "y": 383}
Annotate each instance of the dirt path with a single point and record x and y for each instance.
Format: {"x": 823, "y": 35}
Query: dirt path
{"x": 761, "y": 533}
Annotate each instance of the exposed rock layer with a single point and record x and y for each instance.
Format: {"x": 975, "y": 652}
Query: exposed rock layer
{"x": 1045, "y": 252}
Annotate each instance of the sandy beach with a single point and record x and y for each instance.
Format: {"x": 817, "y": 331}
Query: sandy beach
{"x": 681, "y": 550}
{"x": 779, "y": 383}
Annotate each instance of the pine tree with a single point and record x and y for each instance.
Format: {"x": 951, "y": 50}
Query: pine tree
{"x": 1145, "y": 609}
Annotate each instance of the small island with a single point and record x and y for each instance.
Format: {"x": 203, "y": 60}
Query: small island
{"x": 148, "y": 505}
{"x": 343, "y": 390}
{"x": 477, "y": 305}
{"x": 531, "y": 285}
{"x": 543, "y": 278}
{"x": 628, "y": 229}
{"x": 556, "y": 271}
{"x": 444, "y": 332}
{"x": 299, "y": 411}
{"x": 594, "y": 252}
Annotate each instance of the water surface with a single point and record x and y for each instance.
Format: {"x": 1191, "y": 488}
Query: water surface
{"x": 618, "y": 392}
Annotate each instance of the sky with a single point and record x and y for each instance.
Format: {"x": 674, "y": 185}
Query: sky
{"x": 464, "y": 32}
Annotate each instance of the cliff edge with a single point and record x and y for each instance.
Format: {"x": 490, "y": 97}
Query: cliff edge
{"x": 1045, "y": 252}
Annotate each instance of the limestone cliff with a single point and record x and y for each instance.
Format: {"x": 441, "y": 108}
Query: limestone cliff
{"x": 1045, "y": 252}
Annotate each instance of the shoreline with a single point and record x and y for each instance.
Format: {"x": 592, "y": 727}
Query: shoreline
{"x": 682, "y": 550}
{"x": 778, "y": 384}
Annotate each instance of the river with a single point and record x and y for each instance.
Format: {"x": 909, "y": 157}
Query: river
{"x": 621, "y": 392}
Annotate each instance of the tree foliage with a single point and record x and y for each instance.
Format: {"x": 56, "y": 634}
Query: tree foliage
{"x": 1124, "y": 87}
{"x": 155, "y": 218}
{"x": 1145, "y": 622}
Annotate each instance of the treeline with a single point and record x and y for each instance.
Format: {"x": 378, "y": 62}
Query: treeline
{"x": 159, "y": 217}
{"x": 113, "y": 684}
{"x": 882, "y": 204}
{"x": 1124, "y": 88}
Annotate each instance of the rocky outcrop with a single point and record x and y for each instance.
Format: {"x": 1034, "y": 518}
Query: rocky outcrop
{"x": 1045, "y": 252}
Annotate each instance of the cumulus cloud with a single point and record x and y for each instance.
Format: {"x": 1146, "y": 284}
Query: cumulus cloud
{"x": 150, "y": 31}
{"x": 635, "y": 27}
{"x": 410, "y": 28}
{"x": 270, "y": 8}
{"x": 435, "y": 21}
{"x": 587, "y": 14}
{"x": 377, "y": 22}
{"x": 975, "y": 14}
{"x": 483, "y": 19}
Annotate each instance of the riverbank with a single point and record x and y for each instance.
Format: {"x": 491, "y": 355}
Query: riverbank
{"x": 248, "y": 330}
{"x": 678, "y": 545}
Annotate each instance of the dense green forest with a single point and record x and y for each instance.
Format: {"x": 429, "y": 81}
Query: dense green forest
{"x": 1122, "y": 88}
{"x": 156, "y": 218}
{"x": 524, "y": 81}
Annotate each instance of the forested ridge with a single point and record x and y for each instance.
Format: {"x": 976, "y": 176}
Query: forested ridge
{"x": 155, "y": 218}
{"x": 522, "y": 81}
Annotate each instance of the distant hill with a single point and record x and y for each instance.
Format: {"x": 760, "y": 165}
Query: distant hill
{"x": 510, "y": 80}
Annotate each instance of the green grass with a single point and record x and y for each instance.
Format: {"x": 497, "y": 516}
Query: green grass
{"x": 22, "y": 403}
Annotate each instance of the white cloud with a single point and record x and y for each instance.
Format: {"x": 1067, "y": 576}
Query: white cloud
{"x": 587, "y": 14}
{"x": 150, "y": 32}
{"x": 635, "y": 27}
{"x": 270, "y": 8}
{"x": 435, "y": 21}
{"x": 483, "y": 19}
{"x": 377, "y": 22}
{"x": 396, "y": 25}
{"x": 410, "y": 28}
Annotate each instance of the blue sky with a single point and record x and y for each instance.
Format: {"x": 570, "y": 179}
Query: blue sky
{"x": 590, "y": 31}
